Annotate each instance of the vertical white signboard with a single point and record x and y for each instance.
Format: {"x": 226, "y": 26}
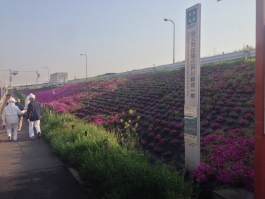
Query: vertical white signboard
{"x": 192, "y": 88}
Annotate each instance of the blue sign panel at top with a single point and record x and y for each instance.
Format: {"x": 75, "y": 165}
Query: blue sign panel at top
{"x": 192, "y": 16}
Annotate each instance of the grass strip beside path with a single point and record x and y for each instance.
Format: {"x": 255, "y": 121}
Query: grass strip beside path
{"x": 113, "y": 171}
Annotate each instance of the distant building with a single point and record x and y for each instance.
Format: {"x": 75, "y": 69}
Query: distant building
{"x": 58, "y": 77}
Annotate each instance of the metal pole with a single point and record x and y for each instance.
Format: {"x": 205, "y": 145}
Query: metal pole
{"x": 173, "y": 42}
{"x": 10, "y": 78}
{"x": 37, "y": 76}
{"x": 259, "y": 152}
{"x": 173, "y": 38}
{"x": 48, "y": 73}
{"x": 86, "y": 63}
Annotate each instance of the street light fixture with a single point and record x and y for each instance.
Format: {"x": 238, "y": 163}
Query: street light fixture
{"x": 10, "y": 76}
{"x": 48, "y": 73}
{"x": 173, "y": 38}
{"x": 86, "y": 63}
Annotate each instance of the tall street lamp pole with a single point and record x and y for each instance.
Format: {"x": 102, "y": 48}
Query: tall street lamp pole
{"x": 10, "y": 76}
{"x": 48, "y": 73}
{"x": 86, "y": 63}
{"x": 173, "y": 39}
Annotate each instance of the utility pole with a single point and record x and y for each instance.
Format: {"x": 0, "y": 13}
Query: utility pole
{"x": 10, "y": 78}
{"x": 38, "y": 75}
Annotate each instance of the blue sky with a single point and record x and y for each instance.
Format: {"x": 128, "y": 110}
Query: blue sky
{"x": 116, "y": 35}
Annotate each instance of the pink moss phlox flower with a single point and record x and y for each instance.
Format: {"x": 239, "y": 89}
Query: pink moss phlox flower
{"x": 179, "y": 126}
{"x": 237, "y": 109}
{"x": 213, "y": 112}
{"x": 151, "y": 134}
{"x": 162, "y": 141}
{"x": 173, "y": 132}
{"x": 100, "y": 119}
{"x": 230, "y": 91}
{"x": 248, "y": 89}
{"x": 230, "y": 121}
{"x": 218, "y": 107}
{"x": 216, "y": 125}
{"x": 181, "y": 135}
{"x": 168, "y": 153}
{"x": 143, "y": 142}
{"x": 226, "y": 109}
{"x": 206, "y": 123}
{"x": 158, "y": 149}
{"x": 227, "y": 176}
{"x": 220, "y": 119}
{"x": 158, "y": 137}
{"x": 202, "y": 173}
{"x": 174, "y": 142}
{"x": 231, "y": 155}
{"x": 243, "y": 122}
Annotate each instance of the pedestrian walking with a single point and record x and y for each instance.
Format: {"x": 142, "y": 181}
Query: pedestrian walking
{"x": 10, "y": 118}
{"x": 20, "y": 117}
{"x": 34, "y": 114}
{"x": 8, "y": 96}
{"x": 27, "y": 101}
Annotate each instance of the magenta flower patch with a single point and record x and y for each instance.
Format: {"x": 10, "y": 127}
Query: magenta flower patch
{"x": 151, "y": 106}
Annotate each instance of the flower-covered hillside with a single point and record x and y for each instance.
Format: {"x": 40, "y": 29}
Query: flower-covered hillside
{"x": 151, "y": 107}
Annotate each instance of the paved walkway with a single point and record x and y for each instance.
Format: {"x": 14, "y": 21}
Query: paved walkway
{"x": 29, "y": 170}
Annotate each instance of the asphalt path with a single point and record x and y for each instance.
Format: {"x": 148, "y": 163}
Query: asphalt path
{"x": 29, "y": 169}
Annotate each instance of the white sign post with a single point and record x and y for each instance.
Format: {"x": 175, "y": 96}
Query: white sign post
{"x": 192, "y": 88}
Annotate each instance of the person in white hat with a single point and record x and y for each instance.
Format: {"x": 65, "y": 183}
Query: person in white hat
{"x": 20, "y": 120}
{"x": 34, "y": 113}
{"x": 27, "y": 101}
{"x": 10, "y": 118}
{"x": 8, "y": 96}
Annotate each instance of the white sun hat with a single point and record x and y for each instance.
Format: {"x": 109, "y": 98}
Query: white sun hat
{"x": 32, "y": 96}
{"x": 11, "y": 100}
